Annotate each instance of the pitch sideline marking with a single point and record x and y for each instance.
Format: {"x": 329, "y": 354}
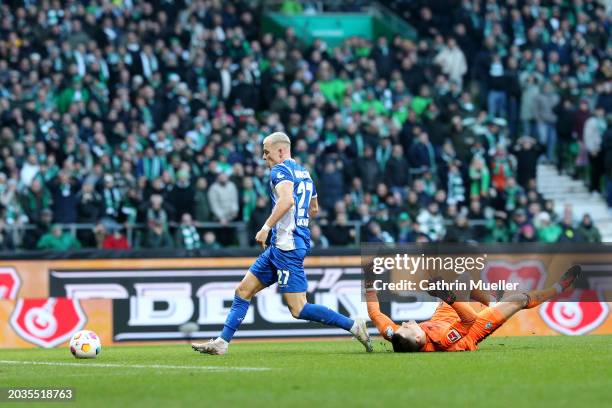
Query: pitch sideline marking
{"x": 153, "y": 366}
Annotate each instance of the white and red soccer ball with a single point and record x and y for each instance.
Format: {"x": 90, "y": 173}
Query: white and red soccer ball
{"x": 85, "y": 344}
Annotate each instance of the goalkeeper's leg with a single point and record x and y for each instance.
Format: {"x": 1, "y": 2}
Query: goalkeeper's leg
{"x": 537, "y": 297}
{"x": 511, "y": 304}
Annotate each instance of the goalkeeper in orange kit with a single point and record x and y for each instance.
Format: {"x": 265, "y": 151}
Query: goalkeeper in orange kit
{"x": 455, "y": 325}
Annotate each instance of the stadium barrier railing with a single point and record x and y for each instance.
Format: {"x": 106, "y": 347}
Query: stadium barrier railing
{"x": 240, "y": 231}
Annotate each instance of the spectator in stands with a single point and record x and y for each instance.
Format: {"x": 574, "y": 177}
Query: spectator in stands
{"x": 187, "y": 235}
{"x": 6, "y": 240}
{"x": 594, "y": 129}
{"x": 156, "y": 212}
{"x": 223, "y": 198}
{"x": 431, "y": 222}
{"x": 480, "y": 178}
{"x": 339, "y": 232}
{"x": 201, "y": 203}
{"x": 111, "y": 197}
{"x": 452, "y": 61}
{"x": 547, "y": 231}
{"x": 568, "y": 232}
{"x": 317, "y": 239}
{"x": 526, "y": 151}
{"x": 210, "y": 241}
{"x": 397, "y": 169}
{"x": 498, "y": 228}
{"x": 544, "y": 113}
{"x": 157, "y": 236}
{"x": 460, "y": 231}
{"x": 530, "y": 91}
{"x": 111, "y": 238}
{"x": 527, "y": 234}
{"x": 377, "y": 235}
{"x": 422, "y": 154}
{"x": 367, "y": 169}
{"x": 181, "y": 197}
{"x": 586, "y": 231}
{"x": 64, "y": 191}
{"x": 331, "y": 188}
{"x": 405, "y": 230}
{"x": 57, "y": 240}
{"x": 35, "y": 200}
{"x": 140, "y": 101}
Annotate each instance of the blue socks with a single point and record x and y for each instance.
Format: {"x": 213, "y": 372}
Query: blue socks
{"x": 314, "y": 313}
{"x": 234, "y": 318}
{"x": 325, "y": 315}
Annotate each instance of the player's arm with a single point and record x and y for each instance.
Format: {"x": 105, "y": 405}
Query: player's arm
{"x": 386, "y": 327}
{"x": 284, "y": 203}
{"x": 463, "y": 309}
{"x": 466, "y": 314}
{"x": 313, "y": 208}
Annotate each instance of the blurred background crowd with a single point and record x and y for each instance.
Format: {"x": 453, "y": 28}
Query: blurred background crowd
{"x": 138, "y": 124}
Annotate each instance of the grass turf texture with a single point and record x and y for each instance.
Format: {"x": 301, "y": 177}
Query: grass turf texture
{"x": 519, "y": 371}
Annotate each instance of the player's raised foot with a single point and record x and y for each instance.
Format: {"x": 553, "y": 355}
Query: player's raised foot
{"x": 569, "y": 277}
{"x": 360, "y": 331}
{"x": 216, "y": 346}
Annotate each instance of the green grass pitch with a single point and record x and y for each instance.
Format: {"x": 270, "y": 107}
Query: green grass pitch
{"x": 511, "y": 372}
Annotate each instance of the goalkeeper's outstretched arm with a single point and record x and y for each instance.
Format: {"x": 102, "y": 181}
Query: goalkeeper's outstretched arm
{"x": 386, "y": 327}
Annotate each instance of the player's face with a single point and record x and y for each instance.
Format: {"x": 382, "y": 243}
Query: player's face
{"x": 271, "y": 154}
{"x": 412, "y": 330}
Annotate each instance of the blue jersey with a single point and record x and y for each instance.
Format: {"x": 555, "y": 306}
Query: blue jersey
{"x": 291, "y": 232}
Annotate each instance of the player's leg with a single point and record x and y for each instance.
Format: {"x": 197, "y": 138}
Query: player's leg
{"x": 301, "y": 309}
{"x": 259, "y": 276}
{"x": 483, "y": 297}
{"x": 292, "y": 284}
{"x": 537, "y": 297}
{"x": 511, "y": 304}
{"x": 491, "y": 318}
{"x": 247, "y": 288}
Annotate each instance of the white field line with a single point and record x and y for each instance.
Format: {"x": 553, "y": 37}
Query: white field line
{"x": 128, "y": 366}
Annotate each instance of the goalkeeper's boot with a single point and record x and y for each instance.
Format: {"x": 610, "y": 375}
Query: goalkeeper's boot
{"x": 360, "y": 331}
{"x": 569, "y": 277}
{"x": 216, "y": 346}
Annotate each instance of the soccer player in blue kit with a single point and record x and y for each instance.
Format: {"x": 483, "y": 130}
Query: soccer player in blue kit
{"x": 294, "y": 199}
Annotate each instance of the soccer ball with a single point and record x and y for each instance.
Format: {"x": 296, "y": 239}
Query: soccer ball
{"x": 85, "y": 344}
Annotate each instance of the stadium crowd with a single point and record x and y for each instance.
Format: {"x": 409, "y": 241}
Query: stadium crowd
{"x": 153, "y": 112}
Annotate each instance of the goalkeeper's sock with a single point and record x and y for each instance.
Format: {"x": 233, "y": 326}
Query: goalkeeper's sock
{"x": 537, "y": 297}
{"x": 234, "y": 318}
{"x": 322, "y": 314}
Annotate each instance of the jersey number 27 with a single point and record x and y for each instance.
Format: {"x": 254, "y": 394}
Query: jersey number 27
{"x": 304, "y": 193}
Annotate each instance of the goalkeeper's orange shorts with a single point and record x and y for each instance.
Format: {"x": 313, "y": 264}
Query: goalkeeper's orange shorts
{"x": 488, "y": 320}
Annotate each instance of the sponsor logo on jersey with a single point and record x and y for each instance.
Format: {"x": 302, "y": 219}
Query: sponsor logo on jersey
{"x": 453, "y": 336}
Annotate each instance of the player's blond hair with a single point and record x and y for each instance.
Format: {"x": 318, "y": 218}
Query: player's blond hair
{"x": 277, "y": 137}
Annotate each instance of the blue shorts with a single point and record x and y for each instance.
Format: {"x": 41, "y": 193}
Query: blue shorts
{"x": 283, "y": 267}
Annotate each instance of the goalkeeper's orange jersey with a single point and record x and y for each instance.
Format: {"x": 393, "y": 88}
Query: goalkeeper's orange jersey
{"x": 445, "y": 331}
